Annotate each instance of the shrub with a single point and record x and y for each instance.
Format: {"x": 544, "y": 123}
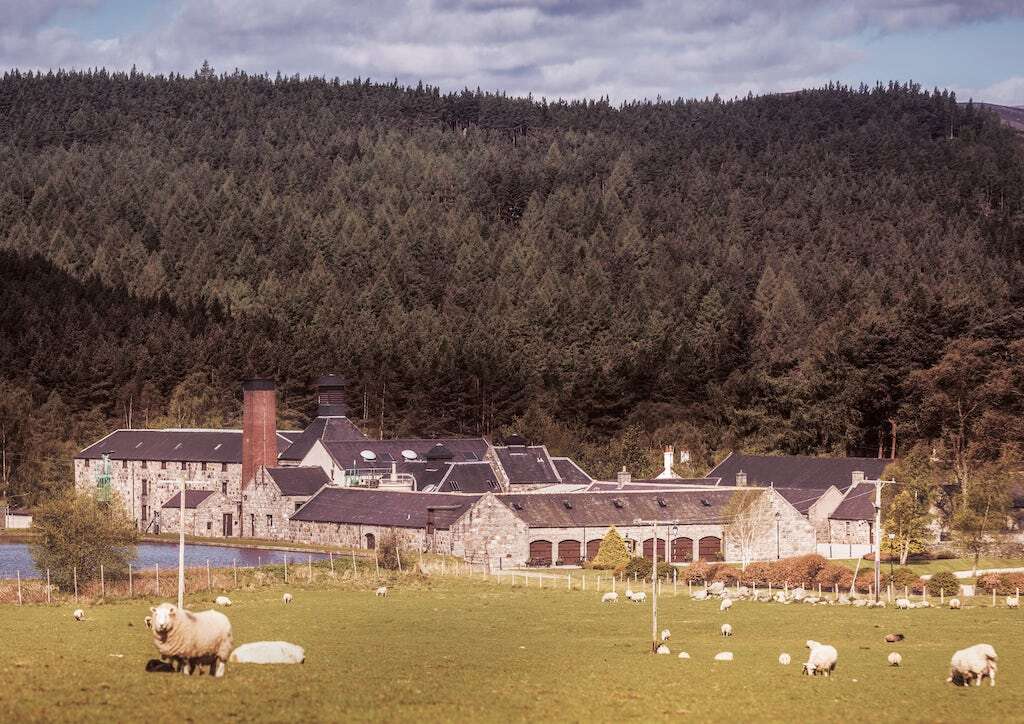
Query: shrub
{"x": 726, "y": 574}
{"x": 865, "y": 581}
{"x": 612, "y": 553}
{"x": 942, "y": 554}
{"x": 1005, "y": 584}
{"x": 665, "y": 570}
{"x": 698, "y": 572}
{"x": 79, "y": 533}
{"x": 639, "y": 566}
{"x": 988, "y": 582}
{"x": 903, "y": 579}
{"x": 832, "y": 575}
{"x": 944, "y": 582}
{"x": 797, "y": 571}
{"x": 759, "y": 572}
{"x": 392, "y": 553}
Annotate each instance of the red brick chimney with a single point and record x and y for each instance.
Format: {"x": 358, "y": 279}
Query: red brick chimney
{"x": 259, "y": 427}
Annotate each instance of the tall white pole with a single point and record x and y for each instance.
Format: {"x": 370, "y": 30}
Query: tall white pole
{"x": 181, "y": 547}
{"x": 878, "y": 537}
{"x": 654, "y": 589}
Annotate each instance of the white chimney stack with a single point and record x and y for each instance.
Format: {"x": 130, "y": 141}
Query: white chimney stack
{"x": 624, "y": 477}
{"x": 669, "y": 462}
{"x": 858, "y": 476}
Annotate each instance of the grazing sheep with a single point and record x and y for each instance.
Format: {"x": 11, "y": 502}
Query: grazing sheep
{"x": 1012, "y": 602}
{"x": 192, "y": 639}
{"x": 700, "y": 595}
{"x": 822, "y": 660}
{"x": 844, "y": 600}
{"x": 894, "y": 637}
{"x": 724, "y": 656}
{"x": 973, "y": 664}
{"x": 726, "y": 629}
{"x": 79, "y": 614}
{"x": 665, "y": 634}
{"x": 683, "y": 655}
{"x": 148, "y": 621}
{"x": 954, "y": 603}
{"x": 811, "y": 643}
{"x": 895, "y": 659}
{"x": 610, "y": 597}
{"x": 725, "y": 605}
{"x": 629, "y": 593}
{"x": 785, "y": 659}
{"x": 781, "y": 597}
{"x": 921, "y": 604}
{"x": 639, "y": 597}
{"x": 222, "y": 601}
{"x": 382, "y": 591}
{"x": 902, "y": 604}
{"x": 717, "y": 588}
{"x": 799, "y": 594}
{"x": 268, "y": 652}
{"x": 286, "y": 598}
{"x": 859, "y": 603}
{"x": 662, "y": 649}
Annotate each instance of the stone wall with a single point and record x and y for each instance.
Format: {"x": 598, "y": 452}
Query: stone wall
{"x": 791, "y": 534}
{"x": 355, "y": 536}
{"x": 490, "y": 531}
{"x": 850, "y": 531}
{"x": 822, "y": 509}
{"x": 267, "y": 511}
{"x": 205, "y": 520}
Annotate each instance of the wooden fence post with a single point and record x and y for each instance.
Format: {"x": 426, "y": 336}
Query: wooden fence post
{"x": 330, "y": 554}
{"x": 131, "y": 588}
{"x": 103, "y": 584}
{"x": 74, "y": 572}
{"x": 309, "y": 566}
{"x": 47, "y": 585}
{"x": 19, "y": 586}
{"x": 353, "y": 552}
{"x": 286, "y": 568}
{"x": 209, "y": 583}
{"x": 158, "y": 580}
{"x": 234, "y": 570}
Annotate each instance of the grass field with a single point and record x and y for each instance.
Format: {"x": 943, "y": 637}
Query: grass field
{"x": 454, "y": 649}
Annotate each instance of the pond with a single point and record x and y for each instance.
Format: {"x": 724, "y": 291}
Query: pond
{"x": 16, "y": 557}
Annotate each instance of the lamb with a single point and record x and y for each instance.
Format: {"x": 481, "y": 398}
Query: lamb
{"x": 902, "y": 604}
{"x": 725, "y": 605}
{"x": 895, "y": 659}
{"x": 638, "y": 597}
{"x": 723, "y": 656}
{"x": 665, "y": 634}
{"x": 610, "y": 597}
{"x": 662, "y": 649}
{"x": 954, "y": 603}
{"x": 683, "y": 655}
{"x": 79, "y": 614}
{"x": 799, "y": 594}
{"x": 286, "y": 598}
{"x": 192, "y": 639}
{"x": 700, "y": 595}
{"x": 1012, "y": 602}
{"x": 726, "y": 629}
{"x": 222, "y": 601}
{"x": 785, "y": 659}
{"x": 382, "y": 591}
{"x": 822, "y": 659}
{"x": 973, "y": 663}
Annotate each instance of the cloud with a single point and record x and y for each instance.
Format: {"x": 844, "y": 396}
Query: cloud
{"x": 554, "y": 48}
{"x": 1007, "y": 92}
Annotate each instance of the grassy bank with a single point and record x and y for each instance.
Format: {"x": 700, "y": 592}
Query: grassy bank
{"x": 454, "y": 649}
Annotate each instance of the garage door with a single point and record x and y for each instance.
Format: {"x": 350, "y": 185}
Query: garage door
{"x": 710, "y": 548}
{"x": 569, "y": 552}
{"x": 593, "y": 546}
{"x": 682, "y": 549}
{"x": 540, "y": 553}
{"x": 649, "y": 548}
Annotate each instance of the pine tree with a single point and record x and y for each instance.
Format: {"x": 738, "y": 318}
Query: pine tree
{"x": 612, "y": 552}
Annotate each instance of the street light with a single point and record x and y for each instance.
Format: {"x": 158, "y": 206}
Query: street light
{"x": 778, "y": 536}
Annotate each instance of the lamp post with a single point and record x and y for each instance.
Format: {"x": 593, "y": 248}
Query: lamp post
{"x": 778, "y": 536}
{"x": 654, "y": 574}
{"x": 668, "y": 545}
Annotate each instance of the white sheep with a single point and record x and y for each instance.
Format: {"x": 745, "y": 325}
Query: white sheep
{"x": 799, "y": 594}
{"x": 610, "y": 597}
{"x": 629, "y": 593}
{"x": 726, "y": 629}
{"x": 785, "y": 659}
{"x": 683, "y": 655}
{"x": 79, "y": 614}
{"x": 665, "y": 634}
{"x": 902, "y": 604}
{"x": 723, "y": 656}
{"x": 192, "y": 639}
{"x": 717, "y": 588}
{"x": 662, "y": 649}
{"x": 639, "y": 597}
{"x": 895, "y": 659}
{"x": 725, "y": 605}
{"x": 700, "y": 595}
{"x": 954, "y": 603}
{"x": 781, "y": 597}
{"x": 382, "y": 591}
{"x": 822, "y": 660}
{"x": 859, "y": 603}
{"x": 1012, "y": 602}
{"x": 222, "y": 601}
{"x": 286, "y": 598}
{"x": 973, "y": 663}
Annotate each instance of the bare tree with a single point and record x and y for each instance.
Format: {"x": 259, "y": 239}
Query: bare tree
{"x": 749, "y": 517}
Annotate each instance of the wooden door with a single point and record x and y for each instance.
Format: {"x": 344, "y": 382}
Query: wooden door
{"x": 540, "y": 552}
{"x": 682, "y": 550}
{"x": 228, "y": 525}
{"x": 649, "y": 549}
{"x": 569, "y": 552}
{"x": 710, "y": 548}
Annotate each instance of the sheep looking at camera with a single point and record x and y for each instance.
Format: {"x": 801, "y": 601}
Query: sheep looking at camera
{"x": 192, "y": 639}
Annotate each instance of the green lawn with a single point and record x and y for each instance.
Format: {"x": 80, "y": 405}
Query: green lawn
{"x": 950, "y": 564}
{"x": 458, "y": 650}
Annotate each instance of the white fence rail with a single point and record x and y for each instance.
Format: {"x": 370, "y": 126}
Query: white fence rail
{"x": 844, "y": 550}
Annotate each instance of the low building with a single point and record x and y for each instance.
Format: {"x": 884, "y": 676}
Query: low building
{"x": 796, "y": 471}
{"x": 17, "y": 518}
{"x": 207, "y": 513}
{"x": 275, "y": 494}
{"x": 853, "y": 520}
{"x": 815, "y": 504}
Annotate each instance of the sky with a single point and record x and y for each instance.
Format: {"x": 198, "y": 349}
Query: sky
{"x": 623, "y": 49}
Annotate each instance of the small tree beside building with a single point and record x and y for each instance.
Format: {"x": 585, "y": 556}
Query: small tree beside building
{"x": 78, "y": 534}
{"x": 612, "y": 552}
{"x": 749, "y": 517}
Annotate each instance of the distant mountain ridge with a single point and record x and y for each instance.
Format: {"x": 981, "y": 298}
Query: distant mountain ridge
{"x": 1012, "y": 116}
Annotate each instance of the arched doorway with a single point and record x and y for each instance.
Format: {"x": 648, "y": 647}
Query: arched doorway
{"x": 540, "y": 553}
{"x": 682, "y": 550}
{"x": 710, "y": 548}
{"x": 649, "y": 549}
{"x": 593, "y": 546}
{"x": 371, "y": 541}
{"x": 569, "y": 552}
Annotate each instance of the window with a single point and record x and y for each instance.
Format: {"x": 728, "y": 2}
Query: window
{"x": 202, "y": 466}
{"x": 163, "y": 464}
{"x": 252, "y": 524}
{"x": 124, "y": 464}
{"x": 143, "y": 465}
{"x": 224, "y": 487}
{"x": 87, "y": 462}
{"x": 297, "y": 506}
{"x": 183, "y": 466}
{"x": 223, "y": 467}
{"x": 270, "y": 521}
{"x": 145, "y": 512}
{"x": 209, "y": 526}
{"x": 145, "y": 487}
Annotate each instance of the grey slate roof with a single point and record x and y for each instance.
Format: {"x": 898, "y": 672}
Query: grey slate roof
{"x": 525, "y": 464}
{"x": 358, "y": 506}
{"x": 213, "y": 446}
{"x": 328, "y": 429}
{"x": 347, "y": 453}
{"x": 469, "y": 478}
{"x": 654, "y": 484}
{"x": 801, "y": 498}
{"x": 858, "y": 504}
{"x": 302, "y": 481}
{"x": 796, "y": 471}
{"x": 192, "y": 499}
{"x": 574, "y": 510}
{"x": 569, "y": 471}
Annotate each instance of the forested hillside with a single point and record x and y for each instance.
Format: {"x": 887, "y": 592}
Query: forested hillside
{"x": 784, "y": 273}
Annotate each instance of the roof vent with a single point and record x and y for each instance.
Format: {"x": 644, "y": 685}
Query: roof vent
{"x": 439, "y": 452}
{"x": 617, "y": 502}
{"x": 741, "y": 479}
{"x": 517, "y": 506}
{"x": 492, "y": 485}
{"x": 409, "y": 454}
{"x": 516, "y": 440}
{"x": 705, "y": 502}
{"x": 662, "y": 502}
{"x": 455, "y": 486}
{"x": 368, "y": 455}
{"x": 567, "y": 504}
